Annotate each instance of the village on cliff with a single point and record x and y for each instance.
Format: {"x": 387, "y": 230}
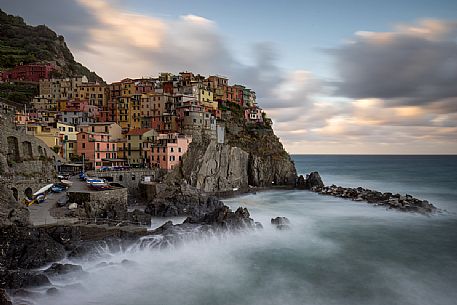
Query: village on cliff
{"x": 145, "y": 123}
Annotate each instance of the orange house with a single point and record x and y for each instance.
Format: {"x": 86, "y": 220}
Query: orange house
{"x": 96, "y": 148}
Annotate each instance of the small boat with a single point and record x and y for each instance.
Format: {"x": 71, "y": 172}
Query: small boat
{"x": 97, "y": 184}
{"x": 43, "y": 190}
{"x": 66, "y": 182}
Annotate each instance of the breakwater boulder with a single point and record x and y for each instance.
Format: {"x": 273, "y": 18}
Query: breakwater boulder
{"x": 281, "y": 223}
{"x": 224, "y": 217}
{"x": 312, "y": 181}
{"x": 394, "y": 201}
{"x": 407, "y": 203}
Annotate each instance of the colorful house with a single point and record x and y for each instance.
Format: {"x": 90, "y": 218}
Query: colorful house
{"x": 97, "y": 149}
{"x": 68, "y": 139}
{"x": 168, "y": 149}
{"x": 30, "y": 72}
{"x": 135, "y": 149}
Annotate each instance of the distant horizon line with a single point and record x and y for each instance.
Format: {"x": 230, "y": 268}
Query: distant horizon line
{"x": 327, "y": 154}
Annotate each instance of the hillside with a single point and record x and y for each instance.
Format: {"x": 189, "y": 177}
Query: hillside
{"x": 20, "y": 42}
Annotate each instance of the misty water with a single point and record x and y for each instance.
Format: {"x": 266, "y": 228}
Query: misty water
{"x": 336, "y": 252}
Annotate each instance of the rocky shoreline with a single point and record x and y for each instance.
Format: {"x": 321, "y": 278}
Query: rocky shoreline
{"x": 27, "y": 249}
{"x": 404, "y": 203}
{"x": 32, "y": 256}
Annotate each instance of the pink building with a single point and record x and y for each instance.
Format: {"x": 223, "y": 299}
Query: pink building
{"x": 168, "y": 149}
{"x": 31, "y": 72}
{"x": 97, "y": 148}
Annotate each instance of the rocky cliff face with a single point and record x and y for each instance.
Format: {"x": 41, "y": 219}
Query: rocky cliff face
{"x": 251, "y": 156}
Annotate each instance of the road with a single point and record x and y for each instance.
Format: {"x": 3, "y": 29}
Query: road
{"x": 39, "y": 213}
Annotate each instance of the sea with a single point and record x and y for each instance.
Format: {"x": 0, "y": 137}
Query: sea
{"x": 336, "y": 252}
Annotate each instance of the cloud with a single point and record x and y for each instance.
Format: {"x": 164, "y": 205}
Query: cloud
{"x": 396, "y": 91}
{"x": 414, "y": 65}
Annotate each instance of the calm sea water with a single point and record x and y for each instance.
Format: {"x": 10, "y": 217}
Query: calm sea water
{"x": 336, "y": 252}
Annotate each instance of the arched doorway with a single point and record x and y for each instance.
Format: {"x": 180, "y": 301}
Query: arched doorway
{"x": 28, "y": 193}
{"x": 15, "y": 193}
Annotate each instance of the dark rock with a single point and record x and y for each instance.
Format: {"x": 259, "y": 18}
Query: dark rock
{"x": 128, "y": 263}
{"x": 4, "y": 299}
{"x": 139, "y": 217}
{"x": 403, "y": 203}
{"x": 52, "y": 291}
{"x": 28, "y": 247}
{"x": 301, "y": 182}
{"x": 183, "y": 204}
{"x": 15, "y": 279}
{"x": 280, "y": 221}
{"x": 314, "y": 181}
{"x": 224, "y": 217}
{"x": 24, "y": 293}
{"x": 60, "y": 269}
{"x": 283, "y": 227}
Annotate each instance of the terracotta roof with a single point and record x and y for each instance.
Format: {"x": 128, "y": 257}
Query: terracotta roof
{"x": 138, "y": 131}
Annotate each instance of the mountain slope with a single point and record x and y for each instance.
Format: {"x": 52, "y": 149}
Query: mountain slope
{"x": 20, "y": 42}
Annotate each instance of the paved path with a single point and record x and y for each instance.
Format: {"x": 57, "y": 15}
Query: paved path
{"x": 39, "y": 213}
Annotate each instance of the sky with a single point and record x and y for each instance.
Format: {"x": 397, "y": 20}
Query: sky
{"x": 336, "y": 77}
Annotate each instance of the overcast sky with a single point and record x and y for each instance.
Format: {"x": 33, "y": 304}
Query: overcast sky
{"x": 360, "y": 77}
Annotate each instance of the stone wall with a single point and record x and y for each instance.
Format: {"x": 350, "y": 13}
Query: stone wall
{"x": 129, "y": 179}
{"x": 26, "y": 162}
{"x": 110, "y": 204}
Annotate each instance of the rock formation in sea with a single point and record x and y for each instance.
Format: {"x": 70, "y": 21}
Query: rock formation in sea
{"x": 406, "y": 203}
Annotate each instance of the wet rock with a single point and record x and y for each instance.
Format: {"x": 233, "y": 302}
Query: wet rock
{"x": 52, "y": 291}
{"x": 283, "y": 227}
{"x": 128, "y": 263}
{"x": 139, "y": 217}
{"x": 24, "y": 293}
{"x": 314, "y": 181}
{"x": 280, "y": 221}
{"x": 225, "y": 217}
{"x": 405, "y": 203}
{"x": 28, "y": 248}
{"x": 61, "y": 269}
{"x": 4, "y": 299}
{"x": 15, "y": 279}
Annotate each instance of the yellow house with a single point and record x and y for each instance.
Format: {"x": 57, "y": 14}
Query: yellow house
{"x": 205, "y": 95}
{"x": 134, "y": 113}
{"x": 97, "y": 94}
{"x": 48, "y": 135}
{"x": 137, "y": 147}
{"x": 68, "y": 137}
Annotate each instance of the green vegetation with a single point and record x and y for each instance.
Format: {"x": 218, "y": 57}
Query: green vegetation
{"x": 18, "y": 92}
{"x": 22, "y": 43}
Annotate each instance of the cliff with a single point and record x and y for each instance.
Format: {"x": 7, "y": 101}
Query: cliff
{"x": 251, "y": 156}
{"x": 22, "y": 43}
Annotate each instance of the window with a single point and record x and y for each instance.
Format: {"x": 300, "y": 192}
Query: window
{"x": 98, "y": 155}
{"x": 179, "y": 149}
{"x": 163, "y": 158}
{"x": 108, "y": 155}
{"x": 171, "y": 149}
{"x": 83, "y": 145}
{"x": 70, "y": 145}
{"x": 163, "y": 149}
{"x": 83, "y": 136}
